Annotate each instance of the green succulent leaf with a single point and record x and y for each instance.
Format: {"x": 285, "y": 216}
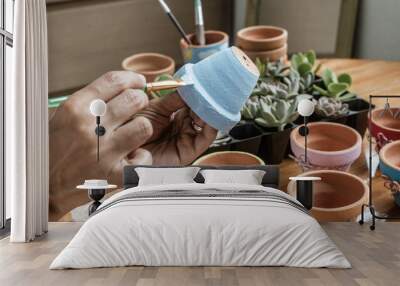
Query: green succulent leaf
{"x": 337, "y": 89}
{"x": 345, "y": 78}
{"x": 347, "y": 97}
{"x": 261, "y": 66}
{"x": 320, "y": 90}
{"x": 328, "y": 76}
{"x": 304, "y": 68}
{"x": 311, "y": 57}
{"x": 296, "y": 60}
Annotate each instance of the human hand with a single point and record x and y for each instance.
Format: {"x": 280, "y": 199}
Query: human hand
{"x": 73, "y": 143}
{"x": 131, "y": 123}
{"x": 175, "y": 140}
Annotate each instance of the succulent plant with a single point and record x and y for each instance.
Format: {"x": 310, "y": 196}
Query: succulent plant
{"x": 304, "y": 63}
{"x": 330, "y": 107}
{"x": 335, "y": 86}
{"x": 272, "y": 70}
{"x": 269, "y": 111}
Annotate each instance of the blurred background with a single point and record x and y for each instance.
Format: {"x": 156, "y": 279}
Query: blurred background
{"x": 89, "y": 37}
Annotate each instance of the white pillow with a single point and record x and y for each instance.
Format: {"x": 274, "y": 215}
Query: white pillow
{"x": 163, "y": 176}
{"x": 248, "y": 177}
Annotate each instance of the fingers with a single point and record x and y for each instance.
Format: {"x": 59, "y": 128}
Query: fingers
{"x": 204, "y": 139}
{"x": 138, "y": 157}
{"x": 113, "y": 83}
{"x": 131, "y": 135}
{"x": 168, "y": 104}
{"x": 122, "y": 107}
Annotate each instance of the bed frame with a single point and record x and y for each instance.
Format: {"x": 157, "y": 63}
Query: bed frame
{"x": 271, "y": 177}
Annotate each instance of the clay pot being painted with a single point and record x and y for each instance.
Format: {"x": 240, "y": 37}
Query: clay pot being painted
{"x": 150, "y": 65}
{"x": 229, "y": 158}
{"x": 389, "y": 157}
{"x": 215, "y": 41}
{"x": 386, "y": 124}
{"x": 337, "y": 197}
{"x": 271, "y": 55}
{"x": 330, "y": 145}
{"x": 261, "y": 38}
{"x": 216, "y": 95}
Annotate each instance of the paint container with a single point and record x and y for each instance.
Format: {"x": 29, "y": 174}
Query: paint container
{"x": 215, "y": 41}
{"x": 330, "y": 145}
{"x": 337, "y": 197}
{"x": 225, "y": 158}
{"x": 221, "y": 85}
{"x": 150, "y": 65}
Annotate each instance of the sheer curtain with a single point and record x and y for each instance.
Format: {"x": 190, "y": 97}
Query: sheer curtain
{"x": 27, "y": 124}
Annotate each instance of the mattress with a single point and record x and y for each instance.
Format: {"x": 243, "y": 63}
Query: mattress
{"x": 200, "y": 225}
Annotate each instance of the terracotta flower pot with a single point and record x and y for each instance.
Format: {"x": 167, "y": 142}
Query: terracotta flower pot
{"x": 215, "y": 41}
{"x": 261, "y": 38}
{"x": 389, "y": 157}
{"x": 224, "y": 158}
{"x": 330, "y": 145}
{"x": 387, "y": 125}
{"x": 337, "y": 197}
{"x": 271, "y": 55}
{"x": 150, "y": 65}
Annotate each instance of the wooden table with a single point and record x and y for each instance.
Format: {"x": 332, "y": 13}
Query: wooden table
{"x": 369, "y": 77}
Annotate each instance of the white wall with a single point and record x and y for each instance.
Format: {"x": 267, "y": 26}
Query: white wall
{"x": 378, "y": 30}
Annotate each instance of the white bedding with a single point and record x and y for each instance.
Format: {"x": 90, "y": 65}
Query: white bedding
{"x": 189, "y": 231}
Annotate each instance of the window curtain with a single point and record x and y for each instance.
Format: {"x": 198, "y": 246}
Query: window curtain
{"x": 27, "y": 124}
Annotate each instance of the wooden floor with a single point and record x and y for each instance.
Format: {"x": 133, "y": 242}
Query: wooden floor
{"x": 374, "y": 255}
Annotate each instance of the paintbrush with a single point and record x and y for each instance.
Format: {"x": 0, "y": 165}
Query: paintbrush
{"x": 167, "y": 11}
{"x": 165, "y": 84}
{"x": 199, "y": 21}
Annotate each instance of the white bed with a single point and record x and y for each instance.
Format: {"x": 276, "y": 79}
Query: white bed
{"x": 248, "y": 226}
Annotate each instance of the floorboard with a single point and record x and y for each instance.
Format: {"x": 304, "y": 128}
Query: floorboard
{"x": 374, "y": 255}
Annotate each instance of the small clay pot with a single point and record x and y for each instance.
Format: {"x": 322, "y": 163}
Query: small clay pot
{"x": 386, "y": 124}
{"x": 329, "y": 145}
{"x": 215, "y": 42}
{"x": 261, "y": 38}
{"x": 150, "y": 65}
{"x": 271, "y": 55}
{"x": 389, "y": 157}
{"x": 224, "y": 158}
{"x": 337, "y": 197}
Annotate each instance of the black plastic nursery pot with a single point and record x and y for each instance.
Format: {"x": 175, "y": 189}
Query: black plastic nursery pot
{"x": 272, "y": 145}
{"x": 357, "y": 118}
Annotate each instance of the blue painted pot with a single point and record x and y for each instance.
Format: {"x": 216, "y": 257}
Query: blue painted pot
{"x": 389, "y": 157}
{"x": 221, "y": 85}
{"x": 215, "y": 41}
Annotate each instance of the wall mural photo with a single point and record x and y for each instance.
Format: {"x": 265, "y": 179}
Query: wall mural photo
{"x": 211, "y": 97}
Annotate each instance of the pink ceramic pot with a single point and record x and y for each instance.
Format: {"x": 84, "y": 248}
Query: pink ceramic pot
{"x": 337, "y": 197}
{"x": 386, "y": 124}
{"x": 330, "y": 145}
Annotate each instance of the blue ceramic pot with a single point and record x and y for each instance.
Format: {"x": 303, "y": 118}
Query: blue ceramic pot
{"x": 215, "y": 41}
{"x": 221, "y": 85}
{"x": 389, "y": 157}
